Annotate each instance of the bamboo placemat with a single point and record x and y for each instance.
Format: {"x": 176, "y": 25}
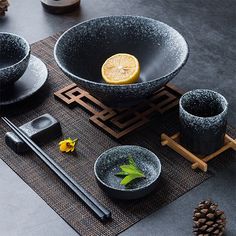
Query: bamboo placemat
{"x": 176, "y": 178}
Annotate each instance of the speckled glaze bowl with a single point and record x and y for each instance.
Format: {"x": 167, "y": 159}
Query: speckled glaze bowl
{"x": 107, "y": 165}
{"x": 14, "y": 58}
{"x": 203, "y": 120}
{"x": 81, "y": 51}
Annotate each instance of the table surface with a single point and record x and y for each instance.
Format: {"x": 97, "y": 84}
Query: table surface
{"x": 210, "y": 29}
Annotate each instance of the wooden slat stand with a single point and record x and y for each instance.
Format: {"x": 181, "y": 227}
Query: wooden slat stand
{"x": 120, "y": 122}
{"x": 197, "y": 161}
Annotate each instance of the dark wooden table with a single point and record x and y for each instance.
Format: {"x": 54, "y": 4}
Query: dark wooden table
{"x": 210, "y": 28}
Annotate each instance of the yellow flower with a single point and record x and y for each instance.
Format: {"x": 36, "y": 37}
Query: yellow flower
{"x": 67, "y": 145}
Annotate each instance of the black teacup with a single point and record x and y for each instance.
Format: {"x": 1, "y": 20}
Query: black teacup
{"x": 203, "y": 120}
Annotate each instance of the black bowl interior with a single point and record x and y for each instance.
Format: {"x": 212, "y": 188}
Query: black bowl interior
{"x": 203, "y": 103}
{"x": 108, "y": 164}
{"x": 12, "y": 49}
{"x": 159, "y": 48}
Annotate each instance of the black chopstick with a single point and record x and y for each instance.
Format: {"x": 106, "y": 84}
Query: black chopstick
{"x": 100, "y": 211}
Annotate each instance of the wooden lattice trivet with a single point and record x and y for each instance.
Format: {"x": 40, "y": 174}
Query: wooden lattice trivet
{"x": 120, "y": 122}
{"x": 198, "y": 161}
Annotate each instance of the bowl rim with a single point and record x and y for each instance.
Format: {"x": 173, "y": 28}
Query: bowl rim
{"x": 128, "y": 146}
{"x": 176, "y": 70}
{"x": 28, "y": 49}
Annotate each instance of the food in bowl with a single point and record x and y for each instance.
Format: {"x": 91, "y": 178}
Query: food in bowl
{"x": 81, "y": 51}
{"x": 129, "y": 172}
{"x": 107, "y": 166}
{"x": 121, "y": 68}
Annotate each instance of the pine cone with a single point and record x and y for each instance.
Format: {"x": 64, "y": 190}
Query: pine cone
{"x": 208, "y": 220}
{"x": 3, "y": 7}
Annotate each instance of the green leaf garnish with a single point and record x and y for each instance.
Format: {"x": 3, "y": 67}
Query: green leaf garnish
{"x": 122, "y": 173}
{"x": 129, "y": 178}
{"x": 130, "y": 171}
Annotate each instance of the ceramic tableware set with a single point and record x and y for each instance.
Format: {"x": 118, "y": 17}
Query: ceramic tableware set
{"x": 79, "y": 53}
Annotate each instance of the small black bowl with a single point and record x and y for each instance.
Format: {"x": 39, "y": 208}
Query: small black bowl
{"x": 107, "y": 165}
{"x": 14, "y": 58}
{"x": 81, "y": 51}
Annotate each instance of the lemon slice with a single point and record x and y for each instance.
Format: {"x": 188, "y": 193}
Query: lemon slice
{"x": 121, "y": 68}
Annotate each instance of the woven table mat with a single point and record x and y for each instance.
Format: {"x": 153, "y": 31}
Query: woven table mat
{"x": 176, "y": 179}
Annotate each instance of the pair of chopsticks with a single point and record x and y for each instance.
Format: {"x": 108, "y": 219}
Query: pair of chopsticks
{"x": 98, "y": 209}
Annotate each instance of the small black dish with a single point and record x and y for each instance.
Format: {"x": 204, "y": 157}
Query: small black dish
{"x": 107, "y": 165}
{"x": 203, "y": 120}
{"x": 81, "y": 51}
{"x": 32, "y": 80}
{"x": 14, "y": 58}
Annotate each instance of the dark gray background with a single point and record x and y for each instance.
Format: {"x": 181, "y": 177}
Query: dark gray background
{"x": 209, "y": 26}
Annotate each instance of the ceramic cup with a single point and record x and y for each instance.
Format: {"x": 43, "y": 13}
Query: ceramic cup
{"x": 203, "y": 120}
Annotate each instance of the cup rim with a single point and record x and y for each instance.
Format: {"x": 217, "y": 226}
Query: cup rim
{"x": 28, "y": 49}
{"x": 225, "y": 103}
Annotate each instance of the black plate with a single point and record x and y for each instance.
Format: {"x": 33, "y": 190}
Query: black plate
{"x": 33, "y": 79}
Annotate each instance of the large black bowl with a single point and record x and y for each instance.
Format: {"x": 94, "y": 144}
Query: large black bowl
{"x": 14, "y": 58}
{"x": 160, "y": 49}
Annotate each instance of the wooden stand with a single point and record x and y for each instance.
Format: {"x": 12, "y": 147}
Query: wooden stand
{"x": 120, "y": 122}
{"x": 198, "y": 161}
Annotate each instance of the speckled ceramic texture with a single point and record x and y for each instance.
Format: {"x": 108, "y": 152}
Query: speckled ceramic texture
{"x": 107, "y": 165}
{"x": 31, "y": 81}
{"x": 81, "y": 51}
{"x": 14, "y": 58}
{"x": 41, "y": 130}
{"x": 203, "y": 119}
